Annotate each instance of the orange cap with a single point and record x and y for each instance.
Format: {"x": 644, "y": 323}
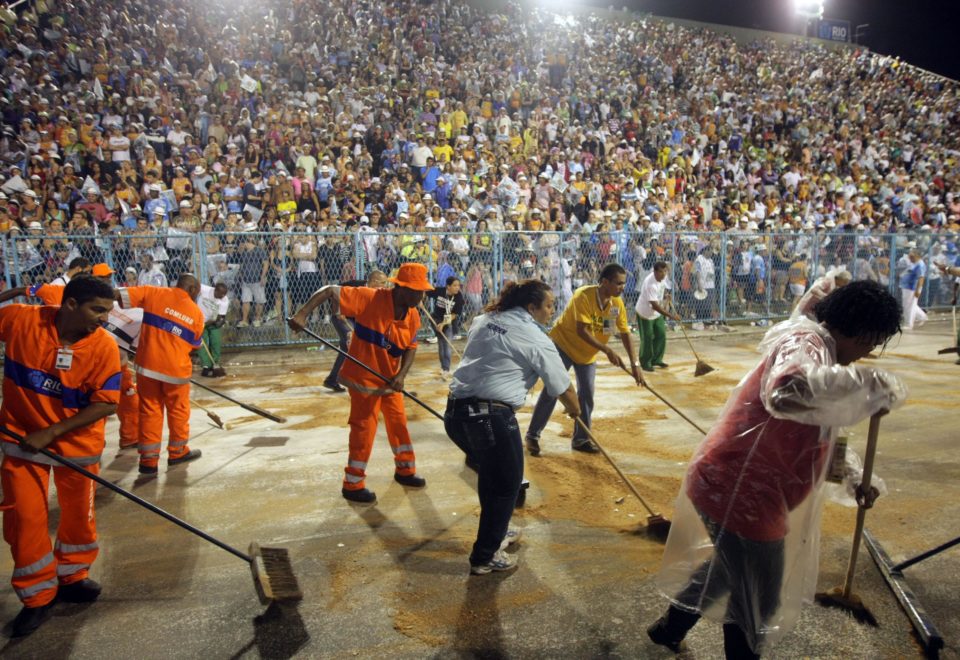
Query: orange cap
{"x": 413, "y": 276}
{"x": 102, "y": 270}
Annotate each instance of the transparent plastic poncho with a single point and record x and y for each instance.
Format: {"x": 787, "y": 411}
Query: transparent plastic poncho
{"x": 744, "y": 544}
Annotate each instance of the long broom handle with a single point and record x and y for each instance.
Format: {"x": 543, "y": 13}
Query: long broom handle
{"x": 868, "y": 457}
{"x": 246, "y": 406}
{"x": 670, "y": 405}
{"x": 684, "y": 331}
{"x": 439, "y": 332}
{"x": 209, "y": 354}
{"x": 370, "y": 370}
{"x": 130, "y": 496}
{"x": 616, "y": 467}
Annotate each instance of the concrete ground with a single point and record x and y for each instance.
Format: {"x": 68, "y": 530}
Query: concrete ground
{"x": 392, "y": 580}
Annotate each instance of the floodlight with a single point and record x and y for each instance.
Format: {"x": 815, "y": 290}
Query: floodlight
{"x": 809, "y": 8}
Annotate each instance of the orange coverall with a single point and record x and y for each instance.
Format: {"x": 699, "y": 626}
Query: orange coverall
{"x": 172, "y": 326}
{"x": 35, "y": 395}
{"x": 128, "y": 412}
{"x": 379, "y": 342}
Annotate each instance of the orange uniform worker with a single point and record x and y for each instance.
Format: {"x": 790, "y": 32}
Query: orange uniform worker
{"x": 120, "y": 326}
{"x": 385, "y": 339}
{"x": 61, "y": 379}
{"x": 172, "y": 326}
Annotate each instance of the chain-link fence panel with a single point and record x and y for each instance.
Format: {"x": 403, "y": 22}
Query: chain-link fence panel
{"x": 715, "y": 277}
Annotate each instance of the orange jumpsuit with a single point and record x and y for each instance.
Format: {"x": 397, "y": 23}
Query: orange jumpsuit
{"x": 379, "y": 342}
{"x": 128, "y": 412}
{"x": 35, "y": 395}
{"x": 172, "y": 326}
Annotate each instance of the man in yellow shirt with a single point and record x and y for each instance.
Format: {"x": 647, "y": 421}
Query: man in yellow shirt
{"x": 443, "y": 152}
{"x": 594, "y": 314}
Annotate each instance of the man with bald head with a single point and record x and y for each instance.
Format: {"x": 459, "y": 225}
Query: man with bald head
{"x": 172, "y": 327}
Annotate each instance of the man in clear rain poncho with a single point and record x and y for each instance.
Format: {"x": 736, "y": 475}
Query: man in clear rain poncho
{"x": 743, "y": 548}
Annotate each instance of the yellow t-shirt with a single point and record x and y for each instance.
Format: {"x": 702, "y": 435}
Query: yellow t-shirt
{"x": 585, "y": 308}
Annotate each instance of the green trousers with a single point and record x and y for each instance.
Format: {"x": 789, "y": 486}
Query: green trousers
{"x": 213, "y": 337}
{"x": 653, "y": 340}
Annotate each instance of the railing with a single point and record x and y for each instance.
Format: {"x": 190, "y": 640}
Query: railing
{"x": 270, "y": 275}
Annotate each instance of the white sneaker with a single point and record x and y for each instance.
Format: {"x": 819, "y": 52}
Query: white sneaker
{"x": 500, "y": 561}
{"x": 457, "y": 337}
{"x": 444, "y": 375}
{"x": 430, "y": 340}
{"x": 242, "y": 324}
{"x": 697, "y": 326}
{"x": 513, "y": 536}
{"x": 256, "y": 324}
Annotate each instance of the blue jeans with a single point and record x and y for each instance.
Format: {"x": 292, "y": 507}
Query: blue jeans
{"x": 344, "y": 330}
{"x": 490, "y": 436}
{"x": 443, "y": 348}
{"x": 585, "y": 374}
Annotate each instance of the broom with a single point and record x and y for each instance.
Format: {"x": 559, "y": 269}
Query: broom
{"x": 702, "y": 368}
{"x": 272, "y": 572}
{"x": 657, "y": 526}
{"x": 669, "y": 405}
{"x": 438, "y": 331}
{"x": 246, "y": 406}
{"x": 842, "y": 597}
{"x": 218, "y": 371}
{"x": 214, "y": 417}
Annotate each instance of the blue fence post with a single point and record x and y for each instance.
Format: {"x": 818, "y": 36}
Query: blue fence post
{"x": 724, "y": 280}
{"x": 285, "y": 291}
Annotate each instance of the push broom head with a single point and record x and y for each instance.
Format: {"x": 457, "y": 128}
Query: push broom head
{"x": 850, "y": 604}
{"x": 702, "y": 369}
{"x": 658, "y": 528}
{"x": 273, "y": 574}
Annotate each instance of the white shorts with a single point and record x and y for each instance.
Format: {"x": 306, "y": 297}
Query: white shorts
{"x": 252, "y": 293}
{"x": 797, "y": 289}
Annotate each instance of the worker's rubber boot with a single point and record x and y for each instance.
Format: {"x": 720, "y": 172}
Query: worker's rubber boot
{"x": 29, "y": 619}
{"x": 735, "y": 644}
{"x": 410, "y": 480}
{"x": 191, "y": 455}
{"x": 83, "y": 591}
{"x": 362, "y": 496}
{"x": 670, "y": 629}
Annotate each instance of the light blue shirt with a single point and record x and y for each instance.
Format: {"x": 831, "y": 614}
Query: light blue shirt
{"x": 912, "y": 275}
{"x": 506, "y": 354}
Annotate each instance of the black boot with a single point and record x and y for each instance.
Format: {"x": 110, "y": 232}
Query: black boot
{"x": 735, "y": 644}
{"x": 30, "y": 618}
{"x": 84, "y": 591}
{"x": 670, "y": 629}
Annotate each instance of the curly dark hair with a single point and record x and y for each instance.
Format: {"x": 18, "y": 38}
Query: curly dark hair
{"x": 861, "y": 309}
{"x": 514, "y": 294}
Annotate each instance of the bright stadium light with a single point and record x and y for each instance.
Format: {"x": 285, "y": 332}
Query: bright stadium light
{"x": 809, "y": 8}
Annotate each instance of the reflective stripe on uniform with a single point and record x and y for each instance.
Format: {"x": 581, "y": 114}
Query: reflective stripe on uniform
{"x": 176, "y": 443}
{"x": 11, "y": 449}
{"x": 405, "y": 464}
{"x": 156, "y": 375}
{"x": 402, "y": 448}
{"x": 67, "y": 547}
{"x": 357, "y": 465}
{"x": 352, "y": 478}
{"x": 34, "y": 589}
{"x": 34, "y": 567}
{"x": 154, "y": 446}
{"x": 70, "y": 569}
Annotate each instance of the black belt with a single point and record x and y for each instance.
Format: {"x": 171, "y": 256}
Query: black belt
{"x": 472, "y": 400}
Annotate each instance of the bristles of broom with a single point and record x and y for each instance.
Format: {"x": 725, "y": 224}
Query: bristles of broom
{"x": 702, "y": 369}
{"x": 273, "y": 574}
{"x": 851, "y": 604}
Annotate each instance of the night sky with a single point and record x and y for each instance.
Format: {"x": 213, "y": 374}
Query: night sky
{"x": 923, "y": 32}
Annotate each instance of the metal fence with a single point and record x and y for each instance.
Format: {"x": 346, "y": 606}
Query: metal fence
{"x": 715, "y": 277}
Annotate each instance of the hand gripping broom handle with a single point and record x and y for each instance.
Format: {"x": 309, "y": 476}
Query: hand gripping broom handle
{"x": 868, "y": 457}
{"x": 372, "y": 371}
{"x": 130, "y": 496}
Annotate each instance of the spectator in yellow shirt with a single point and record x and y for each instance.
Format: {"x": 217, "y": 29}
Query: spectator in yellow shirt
{"x": 594, "y": 314}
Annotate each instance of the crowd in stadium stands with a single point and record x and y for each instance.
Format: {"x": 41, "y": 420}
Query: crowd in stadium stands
{"x": 423, "y": 127}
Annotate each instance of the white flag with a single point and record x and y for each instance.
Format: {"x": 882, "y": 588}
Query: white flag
{"x": 97, "y": 89}
{"x": 248, "y": 84}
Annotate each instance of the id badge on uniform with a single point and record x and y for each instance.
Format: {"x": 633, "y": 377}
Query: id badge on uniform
{"x": 64, "y": 359}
